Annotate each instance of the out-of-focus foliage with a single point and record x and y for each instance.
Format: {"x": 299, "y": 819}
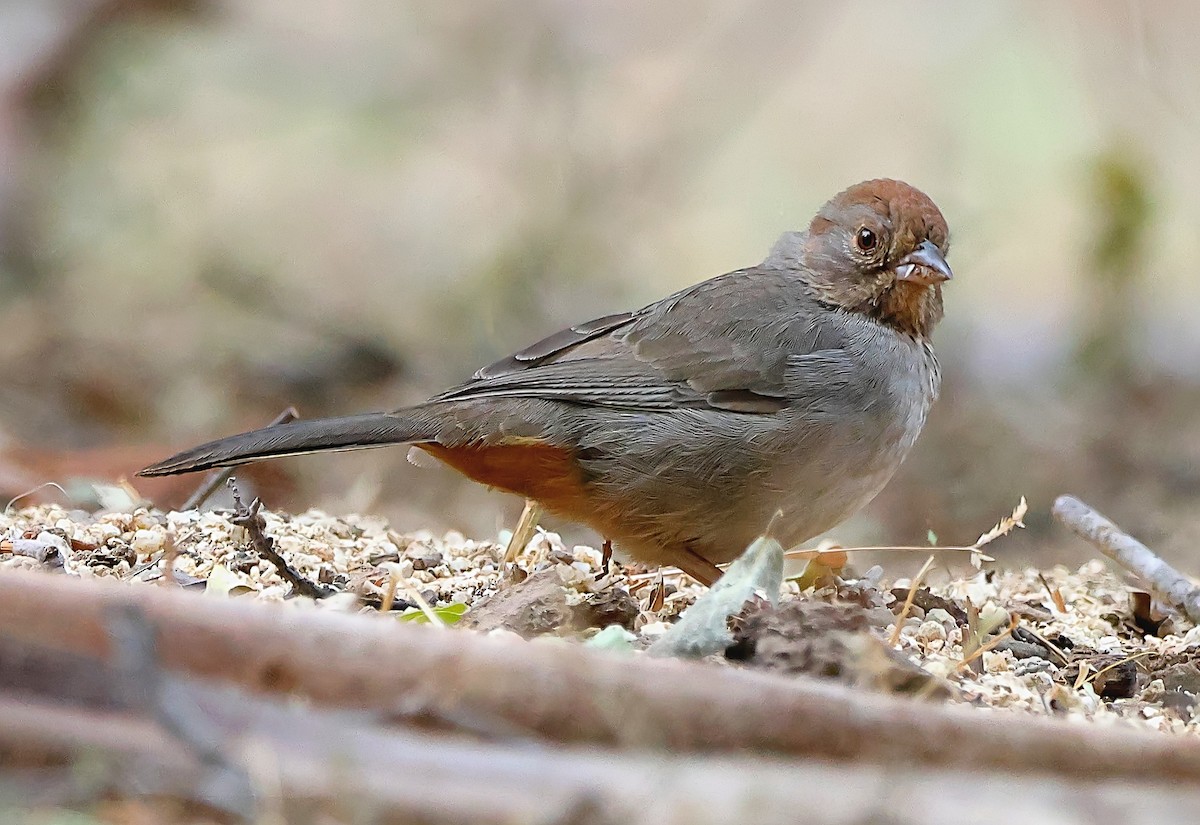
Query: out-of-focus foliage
{"x": 211, "y": 210}
{"x": 1123, "y": 209}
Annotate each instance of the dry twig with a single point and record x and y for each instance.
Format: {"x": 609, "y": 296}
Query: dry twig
{"x": 1055, "y": 594}
{"x": 224, "y": 784}
{"x": 1002, "y": 528}
{"x": 336, "y": 767}
{"x": 251, "y": 519}
{"x": 1173, "y": 586}
{"x": 423, "y": 605}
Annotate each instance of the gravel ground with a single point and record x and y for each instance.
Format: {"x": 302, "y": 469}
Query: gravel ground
{"x": 1075, "y": 649}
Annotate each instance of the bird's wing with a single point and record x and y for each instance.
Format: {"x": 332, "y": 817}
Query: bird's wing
{"x": 750, "y": 341}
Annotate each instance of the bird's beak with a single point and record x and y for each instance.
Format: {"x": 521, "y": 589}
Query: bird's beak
{"x": 925, "y": 266}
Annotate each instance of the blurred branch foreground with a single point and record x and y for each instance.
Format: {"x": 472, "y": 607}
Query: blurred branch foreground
{"x": 195, "y": 701}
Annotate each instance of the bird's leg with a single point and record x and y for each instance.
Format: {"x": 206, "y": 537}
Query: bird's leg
{"x": 698, "y": 567}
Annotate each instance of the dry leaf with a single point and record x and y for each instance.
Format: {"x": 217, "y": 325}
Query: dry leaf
{"x": 658, "y": 596}
{"x": 1056, "y": 595}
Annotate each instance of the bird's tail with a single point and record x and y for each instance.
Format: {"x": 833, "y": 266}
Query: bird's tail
{"x": 355, "y": 432}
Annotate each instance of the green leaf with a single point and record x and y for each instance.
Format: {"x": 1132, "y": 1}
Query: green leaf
{"x": 450, "y": 614}
{"x": 932, "y": 537}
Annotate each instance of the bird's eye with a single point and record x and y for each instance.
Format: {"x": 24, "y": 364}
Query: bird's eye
{"x": 866, "y": 240}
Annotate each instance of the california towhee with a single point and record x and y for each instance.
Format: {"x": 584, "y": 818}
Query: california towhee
{"x": 795, "y": 387}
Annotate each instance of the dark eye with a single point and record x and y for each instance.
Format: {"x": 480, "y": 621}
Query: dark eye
{"x": 866, "y": 240}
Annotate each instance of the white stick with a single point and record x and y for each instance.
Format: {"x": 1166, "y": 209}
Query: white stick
{"x": 1173, "y": 586}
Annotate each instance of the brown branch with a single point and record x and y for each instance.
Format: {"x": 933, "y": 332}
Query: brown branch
{"x": 312, "y": 759}
{"x": 346, "y": 768}
{"x": 225, "y": 784}
{"x": 568, "y": 694}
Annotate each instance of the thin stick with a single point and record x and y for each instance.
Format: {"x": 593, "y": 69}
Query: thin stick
{"x": 908, "y": 602}
{"x": 135, "y": 650}
{"x": 1173, "y": 586}
{"x": 1131, "y": 658}
{"x": 1055, "y": 595}
{"x": 809, "y": 553}
{"x": 252, "y": 520}
{"x": 804, "y": 553}
{"x": 218, "y": 477}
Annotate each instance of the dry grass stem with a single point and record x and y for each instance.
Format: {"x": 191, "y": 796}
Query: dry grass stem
{"x": 1002, "y": 528}
{"x": 991, "y": 643}
{"x": 908, "y": 602}
{"x": 1049, "y": 645}
{"x": 1005, "y": 526}
{"x": 389, "y": 593}
{"x": 36, "y": 489}
{"x": 1131, "y": 658}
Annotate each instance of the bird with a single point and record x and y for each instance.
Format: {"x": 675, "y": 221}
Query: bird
{"x": 783, "y": 394}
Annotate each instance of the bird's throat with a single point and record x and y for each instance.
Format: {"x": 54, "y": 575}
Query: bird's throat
{"x": 914, "y": 309}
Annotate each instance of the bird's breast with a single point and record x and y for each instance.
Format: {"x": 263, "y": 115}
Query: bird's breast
{"x": 827, "y": 469}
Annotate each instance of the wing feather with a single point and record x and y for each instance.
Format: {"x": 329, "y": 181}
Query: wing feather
{"x": 738, "y": 342}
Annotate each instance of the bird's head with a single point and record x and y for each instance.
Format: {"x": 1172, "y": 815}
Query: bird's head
{"x": 879, "y": 248}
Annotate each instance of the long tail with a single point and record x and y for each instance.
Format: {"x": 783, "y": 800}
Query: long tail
{"x": 355, "y": 432}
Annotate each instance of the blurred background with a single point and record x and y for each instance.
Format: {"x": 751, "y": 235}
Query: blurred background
{"x": 212, "y": 210}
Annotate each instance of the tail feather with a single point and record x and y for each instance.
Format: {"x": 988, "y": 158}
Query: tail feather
{"x": 356, "y": 432}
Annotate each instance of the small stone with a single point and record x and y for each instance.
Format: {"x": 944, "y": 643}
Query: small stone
{"x": 561, "y": 556}
{"x": 404, "y": 568}
{"x": 931, "y": 630}
{"x": 1183, "y": 676}
{"x": 1032, "y": 664}
{"x": 147, "y": 542}
{"x": 992, "y": 616}
{"x": 940, "y": 616}
{"x": 996, "y": 662}
{"x": 426, "y": 559}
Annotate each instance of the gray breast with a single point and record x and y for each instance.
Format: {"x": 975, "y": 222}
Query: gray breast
{"x": 835, "y": 455}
